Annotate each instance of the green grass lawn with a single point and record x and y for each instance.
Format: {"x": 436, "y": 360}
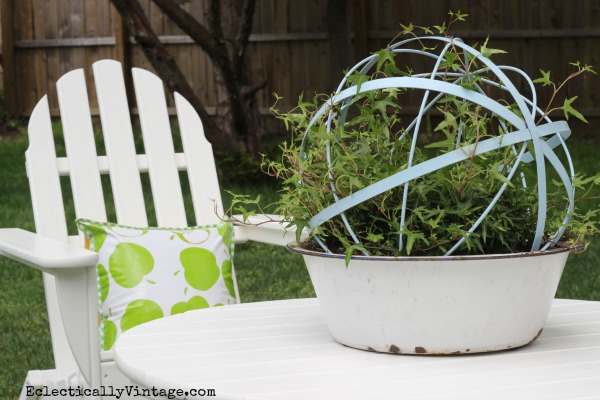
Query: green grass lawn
{"x": 263, "y": 272}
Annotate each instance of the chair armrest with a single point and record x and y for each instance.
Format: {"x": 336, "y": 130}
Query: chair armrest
{"x": 41, "y": 252}
{"x": 265, "y": 228}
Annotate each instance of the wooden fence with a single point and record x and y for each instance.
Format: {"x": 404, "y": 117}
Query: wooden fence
{"x": 43, "y": 39}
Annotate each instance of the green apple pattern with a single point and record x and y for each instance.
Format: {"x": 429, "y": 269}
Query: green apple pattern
{"x": 108, "y": 334}
{"x": 194, "y": 303}
{"x": 103, "y": 282}
{"x": 200, "y": 267}
{"x": 148, "y": 273}
{"x": 140, "y": 311}
{"x": 227, "y": 270}
{"x": 129, "y": 263}
{"x": 98, "y": 236}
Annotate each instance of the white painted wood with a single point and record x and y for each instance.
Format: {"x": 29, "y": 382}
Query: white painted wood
{"x": 202, "y": 172}
{"x": 42, "y": 252}
{"x": 49, "y": 217}
{"x": 141, "y": 160}
{"x": 74, "y": 270}
{"x": 77, "y": 288}
{"x": 78, "y": 300}
{"x": 158, "y": 143}
{"x": 118, "y": 140}
{"x": 44, "y": 182}
{"x": 282, "y": 350}
{"x": 265, "y": 228}
{"x": 81, "y": 147}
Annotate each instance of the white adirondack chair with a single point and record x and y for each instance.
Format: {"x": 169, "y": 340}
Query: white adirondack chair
{"x": 69, "y": 270}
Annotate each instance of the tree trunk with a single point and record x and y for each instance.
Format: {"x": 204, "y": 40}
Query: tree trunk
{"x": 163, "y": 62}
{"x": 237, "y": 108}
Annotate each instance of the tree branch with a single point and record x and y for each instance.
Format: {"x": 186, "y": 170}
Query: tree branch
{"x": 211, "y": 40}
{"x": 247, "y": 20}
{"x": 244, "y": 34}
{"x": 223, "y": 38}
{"x": 188, "y": 24}
{"x": 163, "y": 62}
{"x": 221, "y": 58}
{"x": 214, "y": 22}
{"x": 249, "y": 91}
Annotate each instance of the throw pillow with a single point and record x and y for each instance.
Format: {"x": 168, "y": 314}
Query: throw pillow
{"x": 148, "y": 273}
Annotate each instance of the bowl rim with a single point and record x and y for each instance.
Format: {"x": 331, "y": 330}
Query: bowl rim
{"x": 558, "y": 249}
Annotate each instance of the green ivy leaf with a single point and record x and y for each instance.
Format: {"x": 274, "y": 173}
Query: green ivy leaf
{"x": 357, "y": 79}
{"x": 488, "y": 52}
{"x": 495, "y": 173}
{"x": 440, "y": 28}
{"x": 448, "y": 122}
{"x": 410, "y": 241}
{"x": 544, "y": 79}
{"x": 385, "y": 56}
{"x": 458, "y": 15}
{"x": 351, "y": 249}
{"x": 376, "y": 238}
{"x": 407, "y": 28}
{"x": 569, "y": 110}
{"x": 300, "y": 225}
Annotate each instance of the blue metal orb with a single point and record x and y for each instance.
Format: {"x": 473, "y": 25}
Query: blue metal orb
{"x": 518, "y": 130}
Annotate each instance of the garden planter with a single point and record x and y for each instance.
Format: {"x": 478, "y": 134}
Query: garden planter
{"x": 359, "y": 177}
{"x": 436, "y": 305}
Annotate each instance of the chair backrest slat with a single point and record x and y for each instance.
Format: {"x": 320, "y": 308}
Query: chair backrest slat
{"x": 118, "y": 140}
{"x": 202, "y": 172}
{"x": 44, "y": 180}
{"x": 158, "y": 143}
{"x": 78, "y": 131}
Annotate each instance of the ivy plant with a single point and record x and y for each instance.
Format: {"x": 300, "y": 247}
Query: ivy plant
{"x": 367, "y": 139}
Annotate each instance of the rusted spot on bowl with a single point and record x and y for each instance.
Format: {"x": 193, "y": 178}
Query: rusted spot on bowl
{"x": 536, "y": 336}
{"x": 394, "y": 349}
{"x": 420, "y": 350}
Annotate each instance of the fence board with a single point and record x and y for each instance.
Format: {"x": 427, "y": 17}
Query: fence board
{"x": 288, "y": 46}
{"x": 8, "y": 59}
{"x": 24, "y": 15}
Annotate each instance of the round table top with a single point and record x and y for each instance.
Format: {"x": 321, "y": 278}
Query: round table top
{"x": 282, "y": 350}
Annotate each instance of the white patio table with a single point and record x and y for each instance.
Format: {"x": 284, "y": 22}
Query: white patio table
{"x": 281, "y": 350}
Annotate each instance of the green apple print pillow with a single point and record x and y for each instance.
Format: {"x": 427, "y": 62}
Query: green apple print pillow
{"x": 149, "y": 273}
